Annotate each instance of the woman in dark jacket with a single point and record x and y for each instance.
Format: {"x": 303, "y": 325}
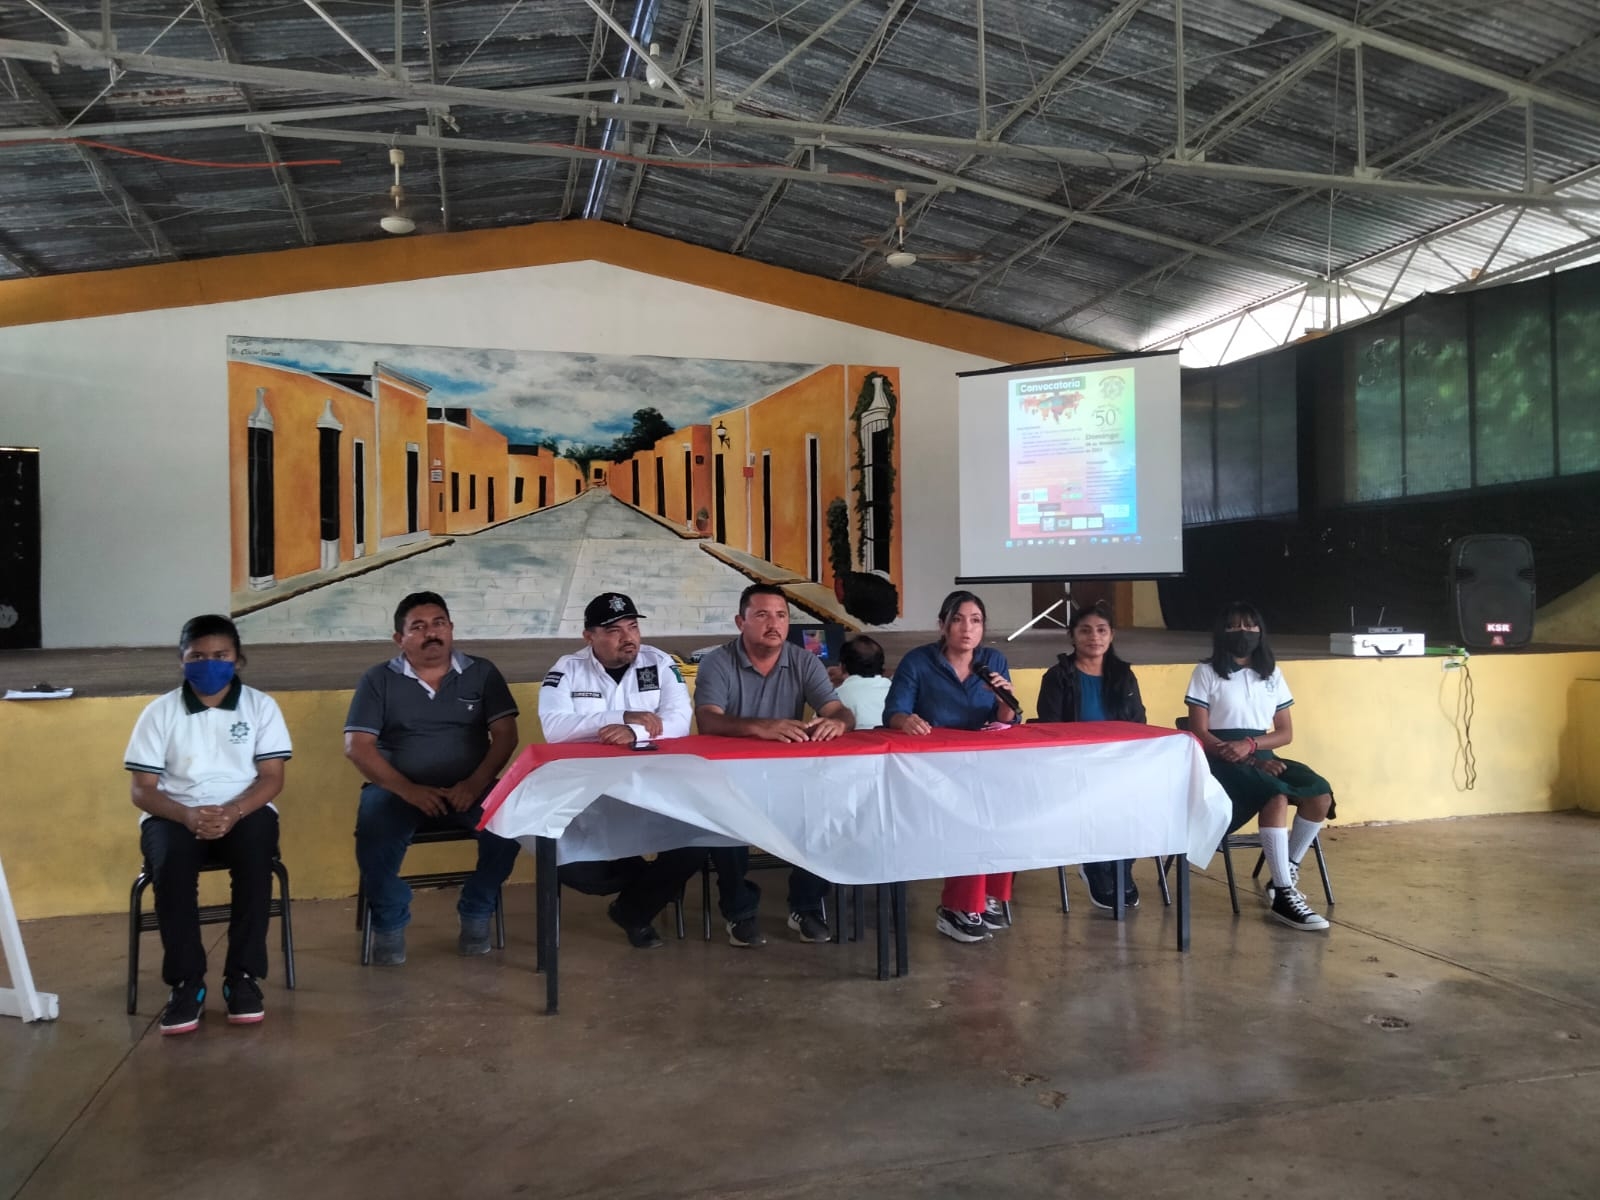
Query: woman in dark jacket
{"x": 1094, "y": 684}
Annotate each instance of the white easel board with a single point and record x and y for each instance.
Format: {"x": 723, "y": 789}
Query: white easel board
{"x": 20, "y": 999}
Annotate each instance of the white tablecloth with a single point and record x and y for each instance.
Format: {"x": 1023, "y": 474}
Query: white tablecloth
{"x": 914, "y": 808}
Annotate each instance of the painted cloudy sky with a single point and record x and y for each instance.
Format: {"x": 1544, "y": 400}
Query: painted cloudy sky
{"x": 532, "y": 395}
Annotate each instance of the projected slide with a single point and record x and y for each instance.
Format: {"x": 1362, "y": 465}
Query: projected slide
{"x": 1074, "y": 455}
{"x": 1071, "y": 470}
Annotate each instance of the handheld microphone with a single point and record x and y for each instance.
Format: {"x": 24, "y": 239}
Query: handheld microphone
{"x": 1001, "y": 687}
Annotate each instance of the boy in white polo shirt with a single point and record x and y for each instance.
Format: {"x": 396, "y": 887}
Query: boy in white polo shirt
{"x": 207, "y": 759}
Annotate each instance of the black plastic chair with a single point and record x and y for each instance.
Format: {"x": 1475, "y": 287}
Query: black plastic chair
{"x": 141, "y": 922}
{"x": 1251, "y": 841}
{"x": 434, "y": 879}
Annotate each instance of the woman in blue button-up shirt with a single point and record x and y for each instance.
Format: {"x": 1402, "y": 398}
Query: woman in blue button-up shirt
{"x": 943, "y": 684}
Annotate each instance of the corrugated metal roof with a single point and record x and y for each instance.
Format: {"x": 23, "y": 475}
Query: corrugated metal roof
{"x": 1149, "y": 252}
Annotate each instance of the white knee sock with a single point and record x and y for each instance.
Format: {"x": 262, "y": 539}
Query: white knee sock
{"x": 1275, "y": 845}
{"x": 1301, "y": 836}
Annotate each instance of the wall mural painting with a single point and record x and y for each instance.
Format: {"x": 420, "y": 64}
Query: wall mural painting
{"x": 519, "y": 484}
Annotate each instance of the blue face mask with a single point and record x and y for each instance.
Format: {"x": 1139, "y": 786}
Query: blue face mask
{"x": 209, "y": 676}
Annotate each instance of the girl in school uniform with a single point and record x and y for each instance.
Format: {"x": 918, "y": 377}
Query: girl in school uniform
{"x": 1239, "y": 705}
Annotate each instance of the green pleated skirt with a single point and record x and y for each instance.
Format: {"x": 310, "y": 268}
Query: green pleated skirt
{"x": 1250, "y": 788}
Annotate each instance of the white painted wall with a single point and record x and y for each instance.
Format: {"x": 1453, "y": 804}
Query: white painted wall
{"x": 130, "y": 414}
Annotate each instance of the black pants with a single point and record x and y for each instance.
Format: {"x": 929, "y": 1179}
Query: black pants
{"x": 738, "y": 897}
{"x": 174, "y": 856}
{"x": 643, "y": 887}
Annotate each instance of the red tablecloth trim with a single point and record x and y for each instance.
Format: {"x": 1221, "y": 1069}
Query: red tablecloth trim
{"x": 875, "y": 741}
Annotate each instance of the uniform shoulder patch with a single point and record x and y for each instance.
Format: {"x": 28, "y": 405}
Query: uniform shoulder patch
{"x": 649, "y": 679}
{"x": 676, "y": 673}
{"x": 553, "y": 679}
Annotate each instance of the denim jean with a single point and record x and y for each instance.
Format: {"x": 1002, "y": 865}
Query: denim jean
{"x": 385, "y": 825}
{"x": 738, "y": 897}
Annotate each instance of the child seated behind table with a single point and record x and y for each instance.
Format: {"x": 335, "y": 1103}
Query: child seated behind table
{"x": 864, "y": 686}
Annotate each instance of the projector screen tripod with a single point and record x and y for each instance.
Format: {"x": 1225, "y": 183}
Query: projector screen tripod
{"x": 1047, "y": 615}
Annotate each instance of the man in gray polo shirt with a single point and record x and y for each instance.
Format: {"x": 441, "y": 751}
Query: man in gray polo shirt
{"x": 758, "y": 685}
{"x": 430, "y": 730}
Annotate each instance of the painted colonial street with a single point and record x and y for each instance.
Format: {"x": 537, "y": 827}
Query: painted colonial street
{"x": 526, "y": 578}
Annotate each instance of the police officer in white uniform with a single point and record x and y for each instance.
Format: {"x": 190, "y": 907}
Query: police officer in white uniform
{"x": 615, "y": 690}
{"x": 622, "y": 693}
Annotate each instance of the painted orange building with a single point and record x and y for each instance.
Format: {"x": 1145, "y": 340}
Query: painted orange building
{"x": 532, "y": 479}
{"x": 402, "y": 408}
{"x": 467, "y": 472}
{"x": 568, "y": 479}
{"x": 765, "y": 472}
{"x": 303, "y": 484}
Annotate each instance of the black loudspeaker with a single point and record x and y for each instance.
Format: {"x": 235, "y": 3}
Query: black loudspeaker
{"x": 1491, "y": 583}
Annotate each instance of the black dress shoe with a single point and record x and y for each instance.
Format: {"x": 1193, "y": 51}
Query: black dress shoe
{"x": 644, "y": 937}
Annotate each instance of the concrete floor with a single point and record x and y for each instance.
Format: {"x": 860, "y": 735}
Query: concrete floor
{"x": 1068, "y": 1057}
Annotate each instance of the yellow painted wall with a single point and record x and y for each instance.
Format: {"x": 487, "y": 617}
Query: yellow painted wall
{"x": 297, "y": 400}
{"x": 1382, "y": 731}
{"x": 781, "y": 423}
{"x": 1582, "y": 744}
{"x": 402, "y": 418}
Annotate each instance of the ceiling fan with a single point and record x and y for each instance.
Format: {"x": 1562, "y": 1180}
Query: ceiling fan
{"x": 395, "y": 219}
{"x": 892, "y": 252}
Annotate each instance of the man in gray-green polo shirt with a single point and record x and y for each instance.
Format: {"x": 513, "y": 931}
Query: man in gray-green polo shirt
{"x": 759, "y": 685}
{"x": 430, "y": 730}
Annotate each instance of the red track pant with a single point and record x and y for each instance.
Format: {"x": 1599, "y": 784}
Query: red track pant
{"x": 966, "y": 893}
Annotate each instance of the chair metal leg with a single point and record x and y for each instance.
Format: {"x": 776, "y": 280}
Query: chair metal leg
{"x": 500, "y": 918}
{"x": 1322, "y": 869}
{"x": 135, "y": 911}
{"x": 1227, "y": 861}
{"x": 705, "y": 898}
{"x": 1161, "y": 878}
{"x": 1119, "y": 907}
{"x": 361, "y": 904}
{"x": 285, "y": 923}
{"x": 1061, "y": 878}
{"x": 366, "y": 937}
{"x": 1261, "y": 861}
{"x": 858, "y": 913}
{"x": 677, "y": 912}
{"x": 837, "y": 924}
{"x": 1005, "y": 907}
